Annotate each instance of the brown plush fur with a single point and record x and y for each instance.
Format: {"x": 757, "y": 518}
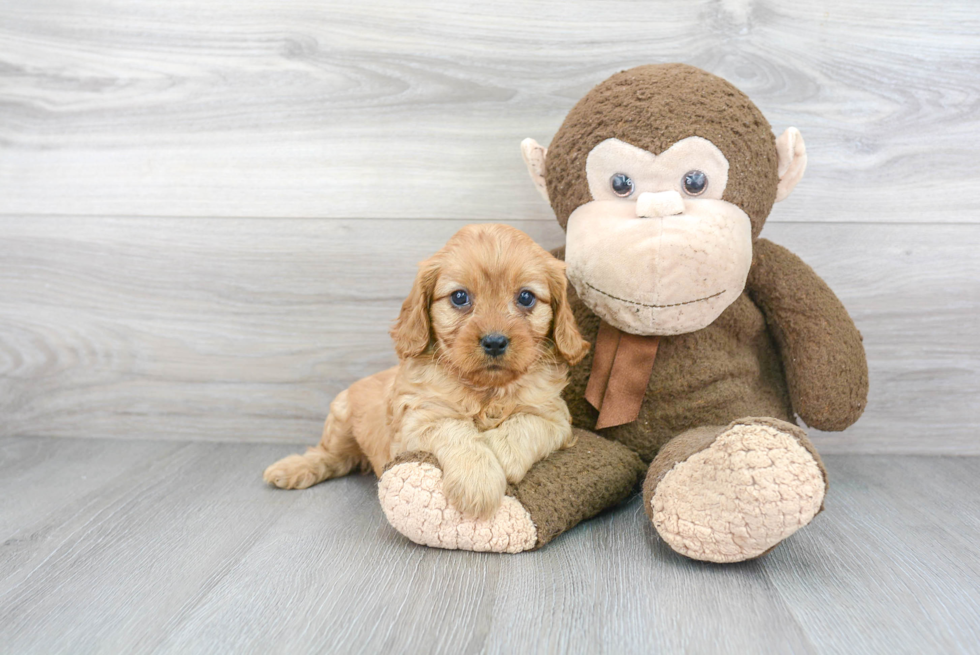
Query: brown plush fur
{"x": 486, "y": 419}
{"x": 821, "y": 350}
{"x": 723, "y": 372}
{"x": 653, "y": 107}
{"x": 739, "y": 365}
{"x": 569, "y": 486}
{"x": 573, "y": 485}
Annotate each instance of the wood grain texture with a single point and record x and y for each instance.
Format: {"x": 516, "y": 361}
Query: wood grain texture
{"x": 386, "y": 110}
{"x": 245, "y": 329}
{"x": 81, "y": 465}
{"x": 912, "y": 521}
{"x": 192, "y": 553}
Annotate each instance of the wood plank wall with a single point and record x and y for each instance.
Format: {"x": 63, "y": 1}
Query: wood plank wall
{"x": 210, "y": 212}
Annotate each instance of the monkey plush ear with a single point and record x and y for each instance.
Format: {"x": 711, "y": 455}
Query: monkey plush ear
{"x": 792, "y": 161}
{"x": 534, "y": 154}
{"x": 411, "y": 332}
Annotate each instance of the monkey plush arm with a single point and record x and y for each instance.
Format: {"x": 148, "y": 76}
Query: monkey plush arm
{"x": 821, "y": 349}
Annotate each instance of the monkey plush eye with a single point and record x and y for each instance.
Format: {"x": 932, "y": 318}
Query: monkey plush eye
{"x": 695, "y": 182}
{"x": 526, "y": 299}
{"x": 621, "y": 184}
{"x": 459, "y": 298}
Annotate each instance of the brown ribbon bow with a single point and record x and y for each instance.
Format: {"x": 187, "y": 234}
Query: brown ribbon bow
{"x": 620, "y": 374}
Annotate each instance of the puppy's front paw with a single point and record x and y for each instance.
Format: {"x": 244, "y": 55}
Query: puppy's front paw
{"x": 474, "y": 483}
{"x": 513, "y": 462}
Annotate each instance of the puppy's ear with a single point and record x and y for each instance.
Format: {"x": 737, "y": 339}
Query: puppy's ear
{"x": 412, "y": 330}
{"x": 570, "y": 344}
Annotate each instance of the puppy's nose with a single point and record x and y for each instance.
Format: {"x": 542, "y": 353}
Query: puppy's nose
{"x": 494, "y": 344}
{"x": 658, "y": 205}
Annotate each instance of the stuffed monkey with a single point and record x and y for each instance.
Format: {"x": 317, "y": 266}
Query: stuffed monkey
{"x": 708, "y": 341}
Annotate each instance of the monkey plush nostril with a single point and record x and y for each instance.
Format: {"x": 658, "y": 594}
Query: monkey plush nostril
{"x": 494, "y": 344}
{"x": 658, "y": 205}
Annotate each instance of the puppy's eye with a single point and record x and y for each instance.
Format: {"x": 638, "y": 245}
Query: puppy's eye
{"x": 621, "y": 185}
{"x": 526, "y": 299}
{"x": 459, "y": 298}
{"x": 695, "y": 182}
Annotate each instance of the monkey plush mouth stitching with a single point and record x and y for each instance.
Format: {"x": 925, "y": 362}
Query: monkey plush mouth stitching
{"x": 641, "y": 304}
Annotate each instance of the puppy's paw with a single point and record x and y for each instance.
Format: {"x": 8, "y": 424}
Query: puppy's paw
{"x": 474, "y": 483}
{"x": 511, "y": 460}
{"x": 293, "y": 472}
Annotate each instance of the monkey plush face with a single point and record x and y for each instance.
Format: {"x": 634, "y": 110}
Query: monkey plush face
{"x": 662, "y": 177}
{"x": 657, "y": 250}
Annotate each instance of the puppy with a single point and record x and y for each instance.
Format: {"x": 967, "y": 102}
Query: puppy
{"x": 484, "y": 341}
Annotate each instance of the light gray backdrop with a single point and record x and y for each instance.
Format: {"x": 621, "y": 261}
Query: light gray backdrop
{"x": 210, "y": 212}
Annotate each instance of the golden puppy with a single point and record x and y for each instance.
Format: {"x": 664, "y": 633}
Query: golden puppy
{"x": 485, "y": 339}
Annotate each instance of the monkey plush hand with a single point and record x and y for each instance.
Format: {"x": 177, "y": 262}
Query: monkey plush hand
{"x": 709, "y": 341}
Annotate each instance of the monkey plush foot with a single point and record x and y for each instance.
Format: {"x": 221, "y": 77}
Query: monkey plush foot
{"x": 730, "y": 494}
{"x": 562, "y": 490}
{"x": 411, "y": 496}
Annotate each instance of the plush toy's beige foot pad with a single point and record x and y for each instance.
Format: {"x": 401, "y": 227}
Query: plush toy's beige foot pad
{"x": 412, "y": 499}
{"x": 751, "y": 486}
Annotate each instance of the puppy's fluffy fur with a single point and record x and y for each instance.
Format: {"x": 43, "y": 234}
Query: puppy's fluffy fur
{"x": 487, "y": 418}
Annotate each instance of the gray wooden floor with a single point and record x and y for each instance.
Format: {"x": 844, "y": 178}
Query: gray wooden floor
{"x": 162, "y": 546}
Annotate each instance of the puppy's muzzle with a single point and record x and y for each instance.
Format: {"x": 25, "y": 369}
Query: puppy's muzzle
{"x": 494, "y": 344}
